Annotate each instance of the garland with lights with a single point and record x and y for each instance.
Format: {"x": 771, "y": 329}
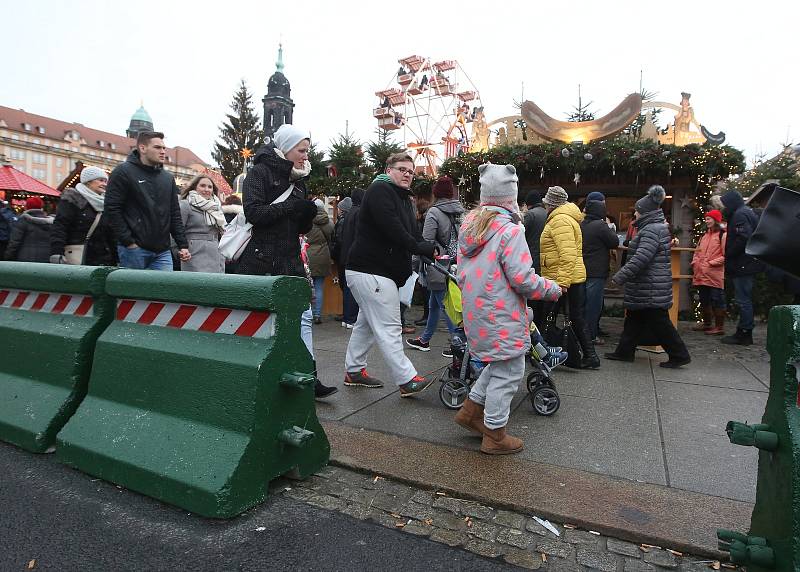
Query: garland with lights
{"x": 613, "y": 161}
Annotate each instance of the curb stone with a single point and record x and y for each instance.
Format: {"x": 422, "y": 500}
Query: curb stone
{"x": 495, "y": 534}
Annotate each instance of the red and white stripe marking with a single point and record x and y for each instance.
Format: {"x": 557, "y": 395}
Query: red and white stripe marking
{"x": 47, "y": 302}
{"x": 247, "y": 323}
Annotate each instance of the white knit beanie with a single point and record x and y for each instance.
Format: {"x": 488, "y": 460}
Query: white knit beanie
{"x": 92, "y": 173}
{"x": 498, "y": 184}
{"x": 288, "y": 136}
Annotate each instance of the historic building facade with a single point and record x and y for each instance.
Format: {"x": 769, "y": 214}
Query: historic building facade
{"x": 49, "y": 149}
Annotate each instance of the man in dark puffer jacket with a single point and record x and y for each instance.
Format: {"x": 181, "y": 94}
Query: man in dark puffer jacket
{"x": 647, "y": 276}
{"x": 598, "y": 240}
{"x": 740, "y": 267}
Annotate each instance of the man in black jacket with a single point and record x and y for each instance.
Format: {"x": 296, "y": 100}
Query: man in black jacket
{"x": 742, "y": 268}
{"x": 378, "y": 264}
{"x": 142, "y": 207}
{"x": 598, "y": 241}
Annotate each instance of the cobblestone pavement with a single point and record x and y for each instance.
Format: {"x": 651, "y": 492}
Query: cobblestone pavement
{"x": 517, "y": 539}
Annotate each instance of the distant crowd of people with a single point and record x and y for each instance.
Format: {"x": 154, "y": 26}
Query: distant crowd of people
{"x": 550, "y": 255}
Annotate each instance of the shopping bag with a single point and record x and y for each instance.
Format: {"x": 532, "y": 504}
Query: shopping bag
{"x": 452, "y": 303}
{"x": 407, "y": 290}
{"x": 236, "y": 237}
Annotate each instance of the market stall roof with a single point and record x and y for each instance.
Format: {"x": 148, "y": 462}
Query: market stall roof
{"x": 13, "y": 180}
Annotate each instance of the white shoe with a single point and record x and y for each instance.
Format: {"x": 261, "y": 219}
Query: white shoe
{"x": 346, "y": 325}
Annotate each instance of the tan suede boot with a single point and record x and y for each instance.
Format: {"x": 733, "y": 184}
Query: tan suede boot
{"x": 498, "y": 442}
{"x": 470, "y": 416}
{"x": 708, "y": 316}
{"x": 719, "y": 323}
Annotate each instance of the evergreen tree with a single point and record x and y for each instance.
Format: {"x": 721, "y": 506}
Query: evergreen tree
{"x": 580, "y": 112}
{"x": 242, "y": 130}
{"x": 319, "y": 168}
{"x": 346, "y": 155}
{"x": 378, "y": 151}
{"x": 635, "y": 128}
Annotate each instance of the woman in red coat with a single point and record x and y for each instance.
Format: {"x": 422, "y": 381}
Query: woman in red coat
{"x": 708, "y": 264}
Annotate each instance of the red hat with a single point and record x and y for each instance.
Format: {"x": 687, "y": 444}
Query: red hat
{"x": 716, "y": 215}
{"x": 33, "y": 203}
{"x": 443, "y": 188}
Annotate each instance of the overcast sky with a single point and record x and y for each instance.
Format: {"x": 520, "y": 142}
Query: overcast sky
{"x": 93, "y": 61}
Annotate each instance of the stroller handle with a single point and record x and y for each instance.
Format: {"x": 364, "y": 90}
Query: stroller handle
{"x": 442, "y": 269}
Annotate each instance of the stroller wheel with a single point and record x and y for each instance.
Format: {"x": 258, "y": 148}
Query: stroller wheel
{"x": 453, "y": 392}
{"x": 545, "y": 400}
{"x": 535, "y": 379}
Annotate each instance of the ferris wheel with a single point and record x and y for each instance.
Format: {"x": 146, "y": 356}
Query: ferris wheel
{"x": 432, "y": 104}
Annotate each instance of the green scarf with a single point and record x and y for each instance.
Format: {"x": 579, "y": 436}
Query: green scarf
{"x": 383, "y": 177}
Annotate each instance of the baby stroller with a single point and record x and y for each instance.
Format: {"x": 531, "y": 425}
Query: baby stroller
{"x": 457, "y": 378}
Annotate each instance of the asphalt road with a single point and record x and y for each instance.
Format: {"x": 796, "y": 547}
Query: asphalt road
{"x": 66, "y": 520}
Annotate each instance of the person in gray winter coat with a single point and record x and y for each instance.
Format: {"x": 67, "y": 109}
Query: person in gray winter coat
{"x": 647, "y": 276}
{"x": 598, "y": 241}
{"x": 319, "y": 255}
{"x": 203, "y": 224}
{"x": 442, "y": 222}
{"x": 30, "y": 235}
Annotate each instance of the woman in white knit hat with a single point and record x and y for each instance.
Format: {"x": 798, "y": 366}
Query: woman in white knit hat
{"x": 276, "y": 203}
{"x": 80, "y": 234}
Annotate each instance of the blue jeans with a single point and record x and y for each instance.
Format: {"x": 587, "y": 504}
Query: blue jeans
{"x": 435, "y": 304}
{"x": 711, "y": 297}
{"x": 349, "y": 306}
{"x": 743, "y": 294}
{"x": 319, "y": 285}
{"x": 307, "y": 331}
{"x": 142, "y": 259}
{"x": 595, "y": 288}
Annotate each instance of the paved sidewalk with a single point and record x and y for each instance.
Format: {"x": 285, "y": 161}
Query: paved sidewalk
{"x": 636, "y": 421}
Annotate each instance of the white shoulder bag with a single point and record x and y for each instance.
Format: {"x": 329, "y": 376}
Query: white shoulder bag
{"x": 238, "y": 232}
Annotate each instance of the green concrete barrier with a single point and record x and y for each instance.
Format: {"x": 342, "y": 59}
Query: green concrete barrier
{"x": 201, "y": 391}
{"x": 50, "y": 318}
{"x": 773, "y": 542}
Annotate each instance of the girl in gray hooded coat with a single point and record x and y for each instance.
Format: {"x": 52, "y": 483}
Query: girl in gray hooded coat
{"x": 496, "y": 280}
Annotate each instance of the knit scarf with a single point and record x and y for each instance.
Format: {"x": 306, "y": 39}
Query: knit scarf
{"x": 383, "y": 177}
{"x": 96, "y": 201}
{"x": 297, "y": 174}
{"x": 211, "y": 208}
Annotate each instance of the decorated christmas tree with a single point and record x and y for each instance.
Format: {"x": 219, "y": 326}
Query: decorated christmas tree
{"x": 241, "y": 131}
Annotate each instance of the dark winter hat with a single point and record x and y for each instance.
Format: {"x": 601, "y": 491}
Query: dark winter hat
{"x": 533, "y": 198}
{"x": 345, "y": 204}
{"x": 596, "y": 196}
{"x": 555, "y": 197}
{"x": 652, "y": 200}
{"x": 33, "y": 203}
{"x": 443, "y": 188}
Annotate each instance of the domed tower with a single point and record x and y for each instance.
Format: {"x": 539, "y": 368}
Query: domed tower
{"x": 278, "y": 104}
{"x": 140, "y": 121}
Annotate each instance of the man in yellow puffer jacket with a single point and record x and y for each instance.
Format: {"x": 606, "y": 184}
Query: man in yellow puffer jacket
{"x": 562, "y": 260}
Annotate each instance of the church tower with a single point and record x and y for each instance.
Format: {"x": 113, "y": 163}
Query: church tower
{"x": 278, "y": 104}
{"x": 140, "y": 121}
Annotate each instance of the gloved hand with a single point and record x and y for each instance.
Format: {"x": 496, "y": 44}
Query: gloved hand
{"x": 304, "y": 209}
{"x": 426, "y": 248}
{"x": 57, "y": 259}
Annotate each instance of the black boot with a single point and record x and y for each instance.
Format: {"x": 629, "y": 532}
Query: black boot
{"x": 740, "y": 338}
{"x": 322, "y": 391}
{"x": 590, "y": 359}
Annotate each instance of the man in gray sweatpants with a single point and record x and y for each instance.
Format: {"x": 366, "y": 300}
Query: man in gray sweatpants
{"x": 379, "y": 263}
